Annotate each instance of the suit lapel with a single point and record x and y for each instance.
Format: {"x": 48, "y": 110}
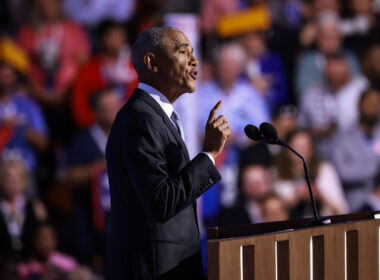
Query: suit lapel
{"x": 138, "y": 93}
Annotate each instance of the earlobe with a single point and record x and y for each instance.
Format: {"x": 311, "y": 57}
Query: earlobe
{"x": 150, "y": 62}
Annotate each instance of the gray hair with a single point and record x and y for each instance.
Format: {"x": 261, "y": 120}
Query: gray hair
{"x": 150, "y": 40}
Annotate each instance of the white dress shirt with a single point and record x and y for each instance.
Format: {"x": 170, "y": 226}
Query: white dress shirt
{"x": 166, "y": 106}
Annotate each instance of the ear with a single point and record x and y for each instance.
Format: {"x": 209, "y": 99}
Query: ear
{"x": 150, "y": 61}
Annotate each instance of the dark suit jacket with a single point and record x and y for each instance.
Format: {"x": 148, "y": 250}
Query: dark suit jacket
{"x": 8, "y": 251}
{"x": 154, "y": 186}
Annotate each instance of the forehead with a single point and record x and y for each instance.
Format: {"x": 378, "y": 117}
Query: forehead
{"x": 175, "y": 39}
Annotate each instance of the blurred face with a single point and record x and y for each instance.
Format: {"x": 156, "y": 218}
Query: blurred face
{"x": 45, "y": 242}
{"x": 369, "y": 108}
{"x": 50, "y": 9}
{"x": 108, "y": 106}
{"x": 274, "y": 209}
{"x": 302, "y": 143}
{"x": 228, "y": 68}
{"x": 176, "y": 63}
{"x": 337, "y": 73}
{"x": 362, "y": 6}
{"x": 329, "y": 39}
{"x": 114, "y": 40}
{"x": 321, "y": 6}
{"x": 7, "y": 77}
{"x": 13, "y": 180}
{"x": 255, "y": 182}
{"x": 254, "y": 44}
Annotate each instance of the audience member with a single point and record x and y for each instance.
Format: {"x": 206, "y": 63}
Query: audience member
{"x": 242, "y": 103}
{"x": 22, "y": 125}
{"x": 265, "y": 70}
{"x": 292, "y": 186}
{"x": 273, "y": 209}
{"x": 46, "y": 262}
{"x": 330, "y": 106}
{"x": 111, "y": 67}
{"x": 254, "y": 183}
{"x": 311, "y": 64}
{"x": 356, "y": 154}
{"x": 56, "y": 48}
{"x": 87, "y": 174}
{"x": 19, "y": 213}
{"x": 371, "y": 65}
{"x": 358, "y": 27}
{"x": 312, "y": 10}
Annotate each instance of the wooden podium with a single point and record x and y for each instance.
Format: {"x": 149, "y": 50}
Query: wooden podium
{"x": 346, "y": 249}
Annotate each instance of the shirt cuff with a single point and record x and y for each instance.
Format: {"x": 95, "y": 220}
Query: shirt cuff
{"x": 210, "y": 156}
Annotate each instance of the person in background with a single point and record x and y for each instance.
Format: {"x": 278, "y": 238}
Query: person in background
{"x": 255, "y": 181}
{"x": 46, "y": 262}
{"x": 331, "y": 106}
{"x": 265, "y": 70}
{"x": 273, "y": 209}
{"x": 243, "y": 104}
{"x": 371, "y": 65}
{"x": 111, "y": 67}
{"x": 22, "y": 125}
{"x": 372, "y": 203}
{"x": 361, "y": 27}
{"x": 87, "y": 175}
{"x": 311, "y": 64}
{"x": 356, "y": 154}
{"x": 56, "y": 47}
{"x": 311, "y": 10}
{"x": 291, "y": 185}
{"x": 19, "y": 214}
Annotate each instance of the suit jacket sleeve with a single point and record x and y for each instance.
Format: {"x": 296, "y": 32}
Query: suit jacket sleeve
{"x": 162, "y": 187}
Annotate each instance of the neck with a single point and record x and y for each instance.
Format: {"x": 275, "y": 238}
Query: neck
{"x": 170, "y": 93}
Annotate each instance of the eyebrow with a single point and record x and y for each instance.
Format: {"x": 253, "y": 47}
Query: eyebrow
{"x": 177, "y": 47}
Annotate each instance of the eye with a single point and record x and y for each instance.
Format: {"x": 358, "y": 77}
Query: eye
{"x": 182, "y": 51}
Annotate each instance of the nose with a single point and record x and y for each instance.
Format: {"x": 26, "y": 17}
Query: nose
{"x": 193, "y": 61}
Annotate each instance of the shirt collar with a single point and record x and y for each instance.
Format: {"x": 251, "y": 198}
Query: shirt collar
{"x": 159, "y": 97}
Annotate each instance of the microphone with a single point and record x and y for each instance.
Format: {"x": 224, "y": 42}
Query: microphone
{"x": 268, "y": 131}
{"x": 268, "y": 134}
{"x": 253, "y": 133}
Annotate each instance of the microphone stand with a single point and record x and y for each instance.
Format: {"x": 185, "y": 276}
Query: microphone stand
{"x": 317, "y": 220}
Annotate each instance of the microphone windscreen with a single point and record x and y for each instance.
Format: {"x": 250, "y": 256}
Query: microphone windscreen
{"x": 268, "y": 130}
{"x": 253, "y": 132}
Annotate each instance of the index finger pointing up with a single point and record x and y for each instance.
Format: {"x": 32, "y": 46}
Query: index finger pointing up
{"x": 214, "y": 111}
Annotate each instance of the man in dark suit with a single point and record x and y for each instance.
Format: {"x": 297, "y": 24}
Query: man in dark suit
{"x": 154, "y": 184}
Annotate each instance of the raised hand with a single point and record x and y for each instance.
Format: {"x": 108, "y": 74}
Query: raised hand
{"x": 216, "y": 133}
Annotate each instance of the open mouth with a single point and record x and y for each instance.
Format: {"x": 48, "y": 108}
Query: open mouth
{"x": 193, "y": 74}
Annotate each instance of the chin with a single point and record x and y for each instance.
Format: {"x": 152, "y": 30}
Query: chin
{"x": 192, "y": 89}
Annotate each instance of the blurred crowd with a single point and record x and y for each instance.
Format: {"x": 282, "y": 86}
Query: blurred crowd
{"x": 310, "y": 67}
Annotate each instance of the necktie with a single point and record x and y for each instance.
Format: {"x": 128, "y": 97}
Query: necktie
{"x": 177, "y": 122}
